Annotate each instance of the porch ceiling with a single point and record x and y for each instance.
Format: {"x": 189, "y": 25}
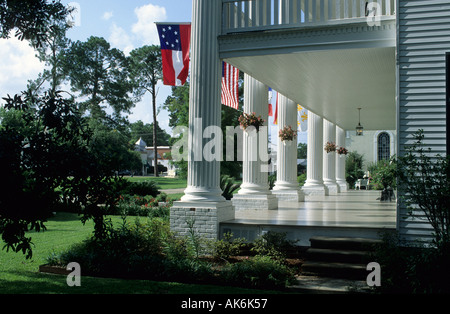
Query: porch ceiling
{"x": 333, "y": 83}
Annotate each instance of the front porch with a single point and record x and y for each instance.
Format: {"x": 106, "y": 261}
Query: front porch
{"x": 348, "y": 214}
{"x": 332, "y": 61}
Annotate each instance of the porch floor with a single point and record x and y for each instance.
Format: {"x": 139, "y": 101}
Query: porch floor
{"x": 352, "y": 213}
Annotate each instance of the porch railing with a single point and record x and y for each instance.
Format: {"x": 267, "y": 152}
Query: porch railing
{"x": 252, "y": 15}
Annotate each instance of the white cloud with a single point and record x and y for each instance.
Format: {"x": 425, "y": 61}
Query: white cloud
{"x": 18, "y": 64}
{"x": 107, "y": 15}
{"x": 145, "y": 28}
{"x": 120, "y": 39}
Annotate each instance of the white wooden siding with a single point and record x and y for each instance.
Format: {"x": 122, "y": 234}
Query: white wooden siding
{"x": 423, "y": 40}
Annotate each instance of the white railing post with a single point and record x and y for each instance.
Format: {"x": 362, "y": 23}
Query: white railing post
{"x": 246, "y": 15}
{"x": 276, "y": 12}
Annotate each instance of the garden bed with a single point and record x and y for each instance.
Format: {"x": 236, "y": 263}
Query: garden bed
{"x": 53, "y": 269}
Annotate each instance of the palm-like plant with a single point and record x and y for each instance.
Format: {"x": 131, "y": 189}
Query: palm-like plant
{"x": 228, "y": 186}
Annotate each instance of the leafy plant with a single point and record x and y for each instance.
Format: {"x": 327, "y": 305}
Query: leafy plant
{"x": 258, "y": 271}
{"x": 195, "y": 239}
{"x": 353, "y": 167}
{"x": 384, "y": 173}
{"x": 273, "y": 244}
{"x": 271, "y": 180}
{"x": 424, "y": 178}
{"x": 228, "y": 186}
{"x": 227, "y": 246}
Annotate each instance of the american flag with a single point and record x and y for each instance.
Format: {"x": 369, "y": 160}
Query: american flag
{"x": 230, "y": 93}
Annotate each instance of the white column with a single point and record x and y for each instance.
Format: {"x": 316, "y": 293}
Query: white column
{"x": 203, "y": 203}
{"x": 329, "y": 159}
{"x": 314, "y": 168}
{"x": 340, "y": 161}
{"x": 254, "y": 192}
{"x": 286, "y": 187}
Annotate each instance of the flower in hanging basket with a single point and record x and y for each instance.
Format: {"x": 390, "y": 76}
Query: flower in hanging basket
{"x": 250, "y": 119}
{"x": 342, "y": 151}
{"x": 330, "y": 147}
{"x": 287, "y": 133}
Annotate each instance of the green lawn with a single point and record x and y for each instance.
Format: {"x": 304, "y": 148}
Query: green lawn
{"x": 20, "y": 276}
{"x": 162, "y": 182}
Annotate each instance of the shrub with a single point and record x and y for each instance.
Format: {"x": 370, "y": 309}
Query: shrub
{"x": 424, "y": 177}
{"x": 383, "y": 174}
{"x": 301, "y": 179}
{"x": 259, "y": 271}
{"x": 353, "y": 168}
{"x": 140, "y": 250}
{"x": 273, "y": 244}
{"x": 141, "y": 188}
{"x": 416, "y": 269}
{"x": 227, "y": 246}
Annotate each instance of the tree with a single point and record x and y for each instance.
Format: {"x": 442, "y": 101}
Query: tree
{"x": 52, "y": 52}
{"x": 112, "y": 149}
{"x": 145, "y": 131}
{"x": 44, "y": 155}
{"x": 32, "y": 19}
{"x": 146, "y": 71}
{"x": 302, "y": 151}
{"x": 100, "y": 74}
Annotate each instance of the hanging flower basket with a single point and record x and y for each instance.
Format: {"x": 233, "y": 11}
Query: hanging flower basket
{"x": 342, "y": 151}
{"x": 287, "y": 134}
{"x": 250, "y": 119}
{"x": 330, "y": 147}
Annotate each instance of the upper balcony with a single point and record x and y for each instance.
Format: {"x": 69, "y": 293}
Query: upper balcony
{"x": 259, "y": 15}
{"x": 330, "y": 56}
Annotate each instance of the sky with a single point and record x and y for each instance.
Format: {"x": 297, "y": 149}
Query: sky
{"x": 125, "y": 24}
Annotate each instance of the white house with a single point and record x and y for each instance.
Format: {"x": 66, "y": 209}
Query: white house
{"x": 386, "y": 57}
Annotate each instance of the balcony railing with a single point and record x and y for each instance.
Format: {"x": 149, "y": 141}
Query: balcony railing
{"x": 253, "y": 15}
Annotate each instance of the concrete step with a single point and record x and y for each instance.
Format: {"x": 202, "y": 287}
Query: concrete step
{"x": 333, "y": 255}
{"x": 358, "y": 244}
{"x": 335, "y": 270}
{"x": 344, "y": 258}
{"x": 318, "y": 285}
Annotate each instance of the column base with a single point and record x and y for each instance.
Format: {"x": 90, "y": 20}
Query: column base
{"x": 343, "y": 186}
{"x": 333, "y": 188}
{"x": 204, "y": 216}
{"x": 296, "y": 195}
{"x": 316, "y": 189}
{"x": 256, "y": 201}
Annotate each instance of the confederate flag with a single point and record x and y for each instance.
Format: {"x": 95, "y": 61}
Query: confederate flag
{"x": 175, "y": 42}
